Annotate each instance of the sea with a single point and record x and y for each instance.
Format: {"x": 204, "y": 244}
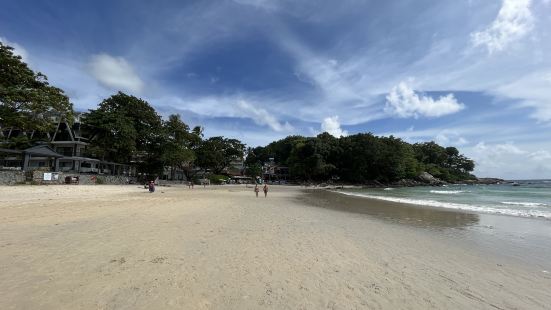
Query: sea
{"x": 510, "y": 220}
{"x": 520, "y": 198}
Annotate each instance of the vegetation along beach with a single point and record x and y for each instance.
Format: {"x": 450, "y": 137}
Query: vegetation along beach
{"x": 252, "y": 154}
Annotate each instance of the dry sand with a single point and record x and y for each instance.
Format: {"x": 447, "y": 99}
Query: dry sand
{"x": 119, "y": 247}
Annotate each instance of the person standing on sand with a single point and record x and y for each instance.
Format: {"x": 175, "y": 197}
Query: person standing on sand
{"x": 265, "y": 189}
{"x": 151, "y": 187}
{"x": 256, "y": 190}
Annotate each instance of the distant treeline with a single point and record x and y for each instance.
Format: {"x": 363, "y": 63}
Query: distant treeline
{"x": 361, "y": 158}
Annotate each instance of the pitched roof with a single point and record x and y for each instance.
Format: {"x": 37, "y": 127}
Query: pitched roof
{"x": 10, "y": 151}
{"x": 42, "y": 150}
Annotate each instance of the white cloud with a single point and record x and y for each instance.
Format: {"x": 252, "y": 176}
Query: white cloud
{"x": 540, "y": 155}
{"x": 402, "y": 101}
{"x": 268, "y": 5}
{"x": 17, "y": 49}
{"x": 332, "y": 126}
{"x": 115, "y": 73}
{"x": 447, "y": 138}
{"x": 511, "y": 161}
{"x": 533, "y": 90}
{"x": 513, "y": 22}
{"x": 262, "y": 117}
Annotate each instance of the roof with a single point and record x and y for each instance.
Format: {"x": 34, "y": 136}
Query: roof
{"x": 42, "y": 150}
{"x": 10, "y": 151}
{"x": 81, "y": 158}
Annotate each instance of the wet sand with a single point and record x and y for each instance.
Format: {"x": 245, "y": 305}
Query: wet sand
{"x": 525, "y": 240}
{"x": 119, "y": 247}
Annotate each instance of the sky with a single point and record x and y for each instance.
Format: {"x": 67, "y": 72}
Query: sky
{"x": 474, "y": 74}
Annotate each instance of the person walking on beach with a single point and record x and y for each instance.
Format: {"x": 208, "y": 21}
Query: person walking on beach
{"x": 151, "y": 186}
{"x": 256, "y": 190}
{"x": 265, "y": 189}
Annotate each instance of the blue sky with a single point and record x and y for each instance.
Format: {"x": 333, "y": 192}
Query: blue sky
{"x": 475, "y": 74}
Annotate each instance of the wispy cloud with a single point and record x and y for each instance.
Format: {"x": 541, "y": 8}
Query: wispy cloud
{"x": 269, "y": 5}
{"x": 263, "y": 117}
{"x": 510, "y": 160}
{"x": 447, "y": 137}
{"x": 403, "y": 101}
{"x": 512, "y": 23}
{"x": 532, "y": 90}
{"x": 17, "y": 49}
{"x": 115, "y": 73}
{"x": 325, "y": 59}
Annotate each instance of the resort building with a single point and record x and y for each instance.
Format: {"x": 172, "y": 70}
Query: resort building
{"x": 63, "y": 150}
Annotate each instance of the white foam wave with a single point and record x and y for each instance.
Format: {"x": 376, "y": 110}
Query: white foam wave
{"x": 388, "y": 189}
{"x": 458, "y": 206}
{"x": 524, "y": 204}
{"x": 446, "y": 192}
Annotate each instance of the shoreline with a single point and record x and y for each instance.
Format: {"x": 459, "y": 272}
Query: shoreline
{"x": 523, "y": 239}
{"x": 442, "y": 207}
{"x": 220, "y": 247}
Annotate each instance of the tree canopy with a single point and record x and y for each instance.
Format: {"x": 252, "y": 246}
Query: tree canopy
{"x": 27, "y": 99}
{"x": 124, "y": 126}
{"x": 361, "y": 158}
{"x": 216, "y": 153}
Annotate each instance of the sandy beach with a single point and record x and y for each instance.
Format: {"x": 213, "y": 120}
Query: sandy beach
{"x": 119, "y": 247}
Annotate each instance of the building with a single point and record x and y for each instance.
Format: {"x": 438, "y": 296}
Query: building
{"x": 273, "y": 172}
{"x": 64, "y": 150}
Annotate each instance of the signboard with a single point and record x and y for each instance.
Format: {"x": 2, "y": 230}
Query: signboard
{"x": 47, "y": 176}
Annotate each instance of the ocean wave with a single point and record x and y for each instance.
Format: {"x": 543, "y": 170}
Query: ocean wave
{"x": 388, "y": 189}
{"x": 524, "y": 204}
{"x": 446, "y": 192}
{"x": 458, "y": 206}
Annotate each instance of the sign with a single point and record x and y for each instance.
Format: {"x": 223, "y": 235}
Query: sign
{"x": 47, "y": 176}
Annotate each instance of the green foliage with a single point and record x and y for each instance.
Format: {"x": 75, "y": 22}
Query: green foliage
{"x": 216, "y": 153}
{"x": 124, "y": 126}
{"x": 361, "y": 158}
{"x": 19, "y": 142}
{"x": 177, "y": 148}
{"x": 217, "y": 179}
{"x": 444, "y": 163}
{"x": 27, "y": 100}
{"x": 253, "y": 170}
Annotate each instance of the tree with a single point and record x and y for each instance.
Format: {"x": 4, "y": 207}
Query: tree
{"x": 253, "y": 170}
{"x": 177, "y": 150}
{"x": 216, "y": 153}
{"x": 27, "y": 99}
{"x": 123, "y": 127}
{"x": 359, "y": 155}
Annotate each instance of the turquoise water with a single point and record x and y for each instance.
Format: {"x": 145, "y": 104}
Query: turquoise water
{"x": 531, "y": 198}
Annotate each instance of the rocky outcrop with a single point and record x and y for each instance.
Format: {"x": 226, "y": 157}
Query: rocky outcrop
{"x": 406, "y": 183}
{"x": 427, "y": 178}
{"x": 488, "y": 181}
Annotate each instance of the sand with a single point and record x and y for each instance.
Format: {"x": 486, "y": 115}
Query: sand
{"x": 119, "y": 247}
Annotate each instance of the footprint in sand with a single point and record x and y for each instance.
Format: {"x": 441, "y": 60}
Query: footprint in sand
{"x": 159, "y": 260}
